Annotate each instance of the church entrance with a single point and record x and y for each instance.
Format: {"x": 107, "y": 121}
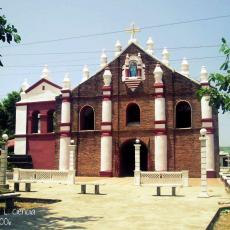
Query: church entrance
{"x": 127, "y": 158}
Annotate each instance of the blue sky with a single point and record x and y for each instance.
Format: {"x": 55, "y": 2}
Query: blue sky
{"x": 49, "y": 20}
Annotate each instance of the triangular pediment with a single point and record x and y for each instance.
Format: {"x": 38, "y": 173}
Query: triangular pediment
{"x": 43, "y": 90}
{"x": 139, "y": 49}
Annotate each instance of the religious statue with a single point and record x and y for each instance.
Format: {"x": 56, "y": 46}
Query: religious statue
{"x": 133, "y": 69}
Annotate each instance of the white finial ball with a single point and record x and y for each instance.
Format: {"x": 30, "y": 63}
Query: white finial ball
{"x": 137, "y": 141}
{"x": 72, "y": 142}
{"x": 5, "y": 137}
{"x": 203, "y": 132}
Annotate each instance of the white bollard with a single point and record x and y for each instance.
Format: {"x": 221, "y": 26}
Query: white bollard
{"x": 137, "y": 172}
{"x": 72, "y": 156}
{"x": 3, "y": 163}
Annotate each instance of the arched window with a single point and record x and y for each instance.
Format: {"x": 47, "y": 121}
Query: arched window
{"x": 50, "y": 121}
{"x": 35, "y": 128}
{"x": 87, "y": 118}
{"x": 183, "y": 115}
{"x": 132, "y": 114}
{"x": 133, "y": 69}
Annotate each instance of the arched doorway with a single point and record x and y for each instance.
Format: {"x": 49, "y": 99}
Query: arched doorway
{"x": 127, "y": 158}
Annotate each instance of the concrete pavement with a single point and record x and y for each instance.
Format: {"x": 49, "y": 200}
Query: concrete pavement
{"x": 121, "y": 206}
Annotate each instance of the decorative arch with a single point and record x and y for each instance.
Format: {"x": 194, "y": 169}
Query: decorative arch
{"x": 132, "y": 114}
{"x": 183, "y": 115}
{"x": 35, "y": 123}
{"x": 50, "y": 121}
{"x": 127, "y": 157}
{"x": 87, "y": 118}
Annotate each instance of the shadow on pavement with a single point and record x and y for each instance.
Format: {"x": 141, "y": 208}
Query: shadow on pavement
{"x": 43, "y": 218}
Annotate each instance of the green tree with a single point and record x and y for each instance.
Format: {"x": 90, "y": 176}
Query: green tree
{"x": 8, "y": 32}
{"x": 219, "y": 91}
{"x": 8, "y": 112}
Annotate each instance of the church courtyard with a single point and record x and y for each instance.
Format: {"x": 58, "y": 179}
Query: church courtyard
{"x": 121, "y": 205}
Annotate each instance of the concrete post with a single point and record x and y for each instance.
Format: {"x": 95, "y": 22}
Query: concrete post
{"x": 72, "y": 156}
{"x": 203, "y": 140}
{"x": 137, "y": 172}
{"x": 3, "y": 164}
{"x": 185, "y": 178}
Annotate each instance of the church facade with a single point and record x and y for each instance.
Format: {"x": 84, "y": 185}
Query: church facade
{"x": 135, "y": 96}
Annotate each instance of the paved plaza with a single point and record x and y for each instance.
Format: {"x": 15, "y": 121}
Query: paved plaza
{"x": 121, "y": 206}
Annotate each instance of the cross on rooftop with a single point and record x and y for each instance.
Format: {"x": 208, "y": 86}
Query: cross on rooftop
{"x": 133, "y": 30}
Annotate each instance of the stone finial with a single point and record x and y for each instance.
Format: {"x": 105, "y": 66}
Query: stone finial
{"x": 158, "y": 72}
{"x": 139, "y": 59}
{"x": 127, "y": 60}
{"x": 104, "y": 59}
{"x": 165, "y": 56}
{"x": 66, "y": 82}
{"x": 85, "y": 73}
{"x": 118, "y": 48}
{"x": 203, "y": 132}
{"x": 25, "y": 85}
{"x": 45, "y": 73}
{"x": 184, "y": 67}
{"x": 107, "y": 77}
{"x": 203, "y": 75}
{"x": 150, "y": 46}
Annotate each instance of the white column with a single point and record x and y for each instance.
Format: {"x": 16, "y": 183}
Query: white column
{"x": 137, "y": 172}
{"x": 106, "y": 127}
{"x": 207, "y": 123}
{"x": 65, "y": 125}
{"x": 72, "y": 156}
{"x": 160, "y": 122}
{"x": 21, "y": 123}
{"x": 203, "y": 149}
{"x": 64, "y": 152}
{"x": 20, "y": 129}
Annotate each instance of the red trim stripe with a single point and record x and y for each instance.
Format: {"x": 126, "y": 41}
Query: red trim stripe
{"x": 106, "y": 88}
{"x": 106, "y": 123}
{"x": 159, "y": 131}
{"x": 158, "y": 85}
{"x": 66, "y": 91}
{"x": 66, "y": 99}
{"x": 159, "y": 95}
{"x": 65, "y": 133}
{"x": 160, "y": 122}
{"x": 210, "y": 130}
{"x": 31, "y": 103}
{"x": 65, "y": 124}
{"x": 106, "y": 98}
{"x": 207, "y": 120}
{"x": 106, "y": 133}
